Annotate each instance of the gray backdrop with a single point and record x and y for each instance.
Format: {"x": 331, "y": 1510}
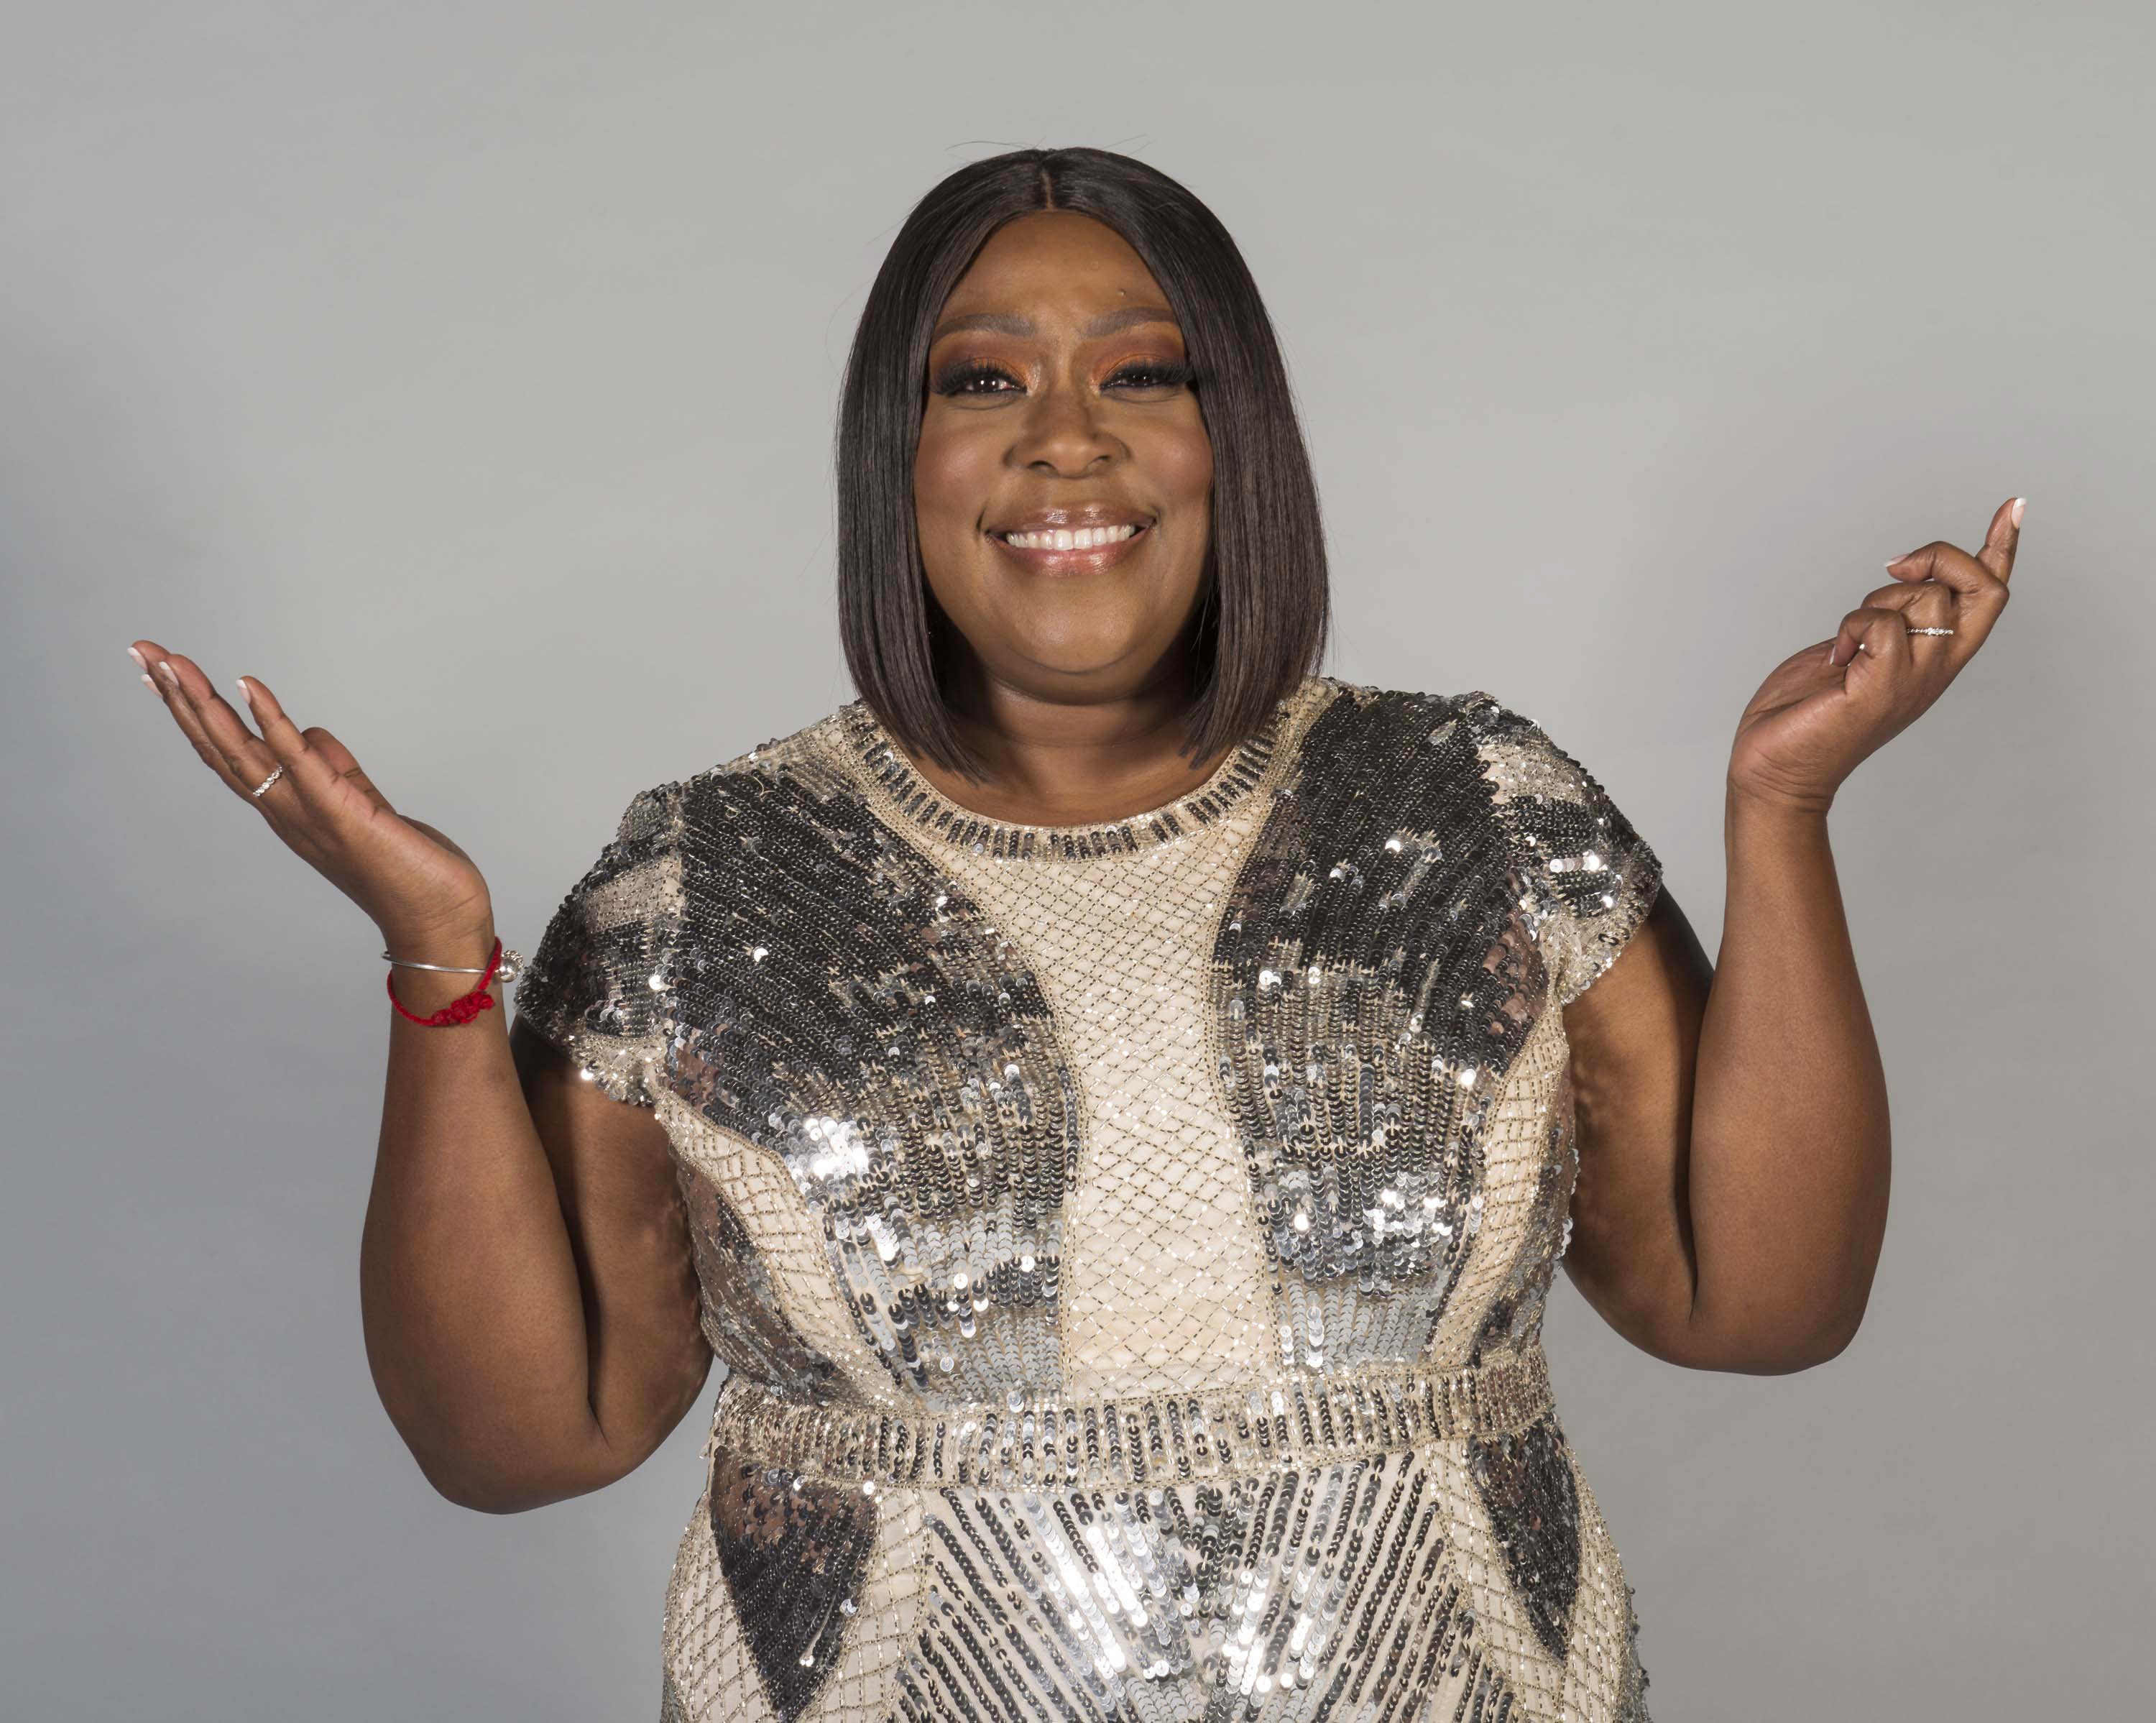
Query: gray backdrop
{"x": 467, "y": 372}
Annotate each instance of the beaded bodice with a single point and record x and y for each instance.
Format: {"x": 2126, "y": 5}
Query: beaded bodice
{"x": 1231, "y": 1137}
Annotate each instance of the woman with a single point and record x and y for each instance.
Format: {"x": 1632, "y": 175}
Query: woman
{"x": 1114, "y": 1097}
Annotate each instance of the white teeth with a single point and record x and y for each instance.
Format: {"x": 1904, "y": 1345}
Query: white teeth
{"x": 1064, "y": 539}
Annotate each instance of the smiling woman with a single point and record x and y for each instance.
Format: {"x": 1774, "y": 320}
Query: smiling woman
{"x": 1115, "y": 1099}
{"x": 1065, "y": 341}
{"x": 1116, "y": 1073}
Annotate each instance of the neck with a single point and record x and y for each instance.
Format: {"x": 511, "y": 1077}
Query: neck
{"x": 1070, "y": 761}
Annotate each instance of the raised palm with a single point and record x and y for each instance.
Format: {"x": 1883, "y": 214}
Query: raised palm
{"x": 409, "y": 877}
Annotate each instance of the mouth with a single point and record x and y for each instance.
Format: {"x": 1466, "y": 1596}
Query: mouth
{"x": 1073, "y": 550}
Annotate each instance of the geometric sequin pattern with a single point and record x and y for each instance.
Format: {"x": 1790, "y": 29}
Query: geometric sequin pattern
{"x": 1159, "y": 1288}
{"x": 1130, "y": 1243}
{"x": 794, "y": 1554}
{"x": 1526, "y": 1487}
{"x": 588, "y": 986}
{"x": 1588, "y": 875}
{"x": 1375, "y": 981}
{"x": 1514, "y": 1319}
{"x": 839, "y": 1002}
{"x": 1330, "y": 1594}
{"x": 742, "y": 1315}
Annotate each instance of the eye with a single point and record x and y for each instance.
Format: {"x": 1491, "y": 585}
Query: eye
{"x": 981, "y": 378}
{"x": 1153, "y": 373}
{"x": 959, "y": 379}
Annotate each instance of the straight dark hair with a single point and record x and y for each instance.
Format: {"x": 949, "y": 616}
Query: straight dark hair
{"x": 1266, "y": 606}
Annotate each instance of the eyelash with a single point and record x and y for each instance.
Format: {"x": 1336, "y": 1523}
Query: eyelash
{"x": 1172, "y": 373}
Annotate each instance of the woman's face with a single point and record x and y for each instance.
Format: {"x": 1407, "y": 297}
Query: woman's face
{"x": 1057, "y": 401}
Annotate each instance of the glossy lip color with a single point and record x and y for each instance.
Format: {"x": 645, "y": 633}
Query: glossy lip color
{"x": 1093, "y": 560}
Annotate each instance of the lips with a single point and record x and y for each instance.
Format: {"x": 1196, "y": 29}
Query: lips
{"x": 1078, "y": 540}
{"x": 1073, "y": 517}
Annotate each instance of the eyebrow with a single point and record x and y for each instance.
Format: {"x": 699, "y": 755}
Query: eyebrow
{"x": 1003, "y": 323}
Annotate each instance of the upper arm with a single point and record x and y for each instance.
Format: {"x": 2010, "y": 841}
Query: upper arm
{"x": 628, "y": 1230}
{"x": 1633, "y": 1036}
{"x": 586, "y": 1039}
{"x": 1629, "y": 976}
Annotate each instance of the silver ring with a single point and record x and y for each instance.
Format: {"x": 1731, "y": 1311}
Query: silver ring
{"x": 267, "y": 782}
{"x": 1931, "y": 631}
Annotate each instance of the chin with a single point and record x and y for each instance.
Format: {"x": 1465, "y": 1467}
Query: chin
{"x": 1079, "y": 658}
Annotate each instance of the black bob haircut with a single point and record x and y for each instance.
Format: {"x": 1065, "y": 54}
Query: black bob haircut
{"x": 1265, "y": 605}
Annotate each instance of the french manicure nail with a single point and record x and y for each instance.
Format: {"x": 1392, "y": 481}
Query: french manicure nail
{"x": 147, "y": 683}
{"x": 244, "y": 689}
{"x": 2020, "y": 503}
{"x": 141, "y": 663}
{"x": 171, "y": 675}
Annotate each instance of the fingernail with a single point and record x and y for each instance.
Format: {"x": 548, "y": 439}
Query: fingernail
{"x": 148, "y": 684}
{"x": 141, "y": 663}
{"x": 171, "y": 675}
{"x": 2020, "y": 503}
{"x": 244, "y": 689}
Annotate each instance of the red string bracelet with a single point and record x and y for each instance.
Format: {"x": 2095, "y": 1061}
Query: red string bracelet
{"x": 457, "y": 1011}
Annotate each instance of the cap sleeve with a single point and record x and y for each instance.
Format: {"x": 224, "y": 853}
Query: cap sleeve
{"x": 1590, "y": 876}
{"x": 588, "y": 986}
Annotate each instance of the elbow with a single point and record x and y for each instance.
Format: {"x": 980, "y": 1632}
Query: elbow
{"x": 1828, "y": 1337}
{"x": 492, "y": 1491}
{"x": 496, "y": 1460}
{"x": 495, "y": 1471}
{"x": 1774, "y": 1347}
{"x": 481, "y": 1496}
{"x": 483, "y": 1489}
{"x": 1807, "y": 1354}
{"x": 1830, "y": 1343}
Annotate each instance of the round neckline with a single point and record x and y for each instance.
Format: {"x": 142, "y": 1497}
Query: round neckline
{"x": 921, "y": 803}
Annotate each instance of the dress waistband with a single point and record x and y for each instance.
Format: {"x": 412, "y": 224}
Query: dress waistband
{"x": 1147, "y": 1439}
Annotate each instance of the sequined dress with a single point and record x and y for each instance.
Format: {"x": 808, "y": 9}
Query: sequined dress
{"x": 1128, "y": 1244}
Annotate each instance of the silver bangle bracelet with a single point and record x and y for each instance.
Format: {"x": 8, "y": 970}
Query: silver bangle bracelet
{"x": 512, "y": 965}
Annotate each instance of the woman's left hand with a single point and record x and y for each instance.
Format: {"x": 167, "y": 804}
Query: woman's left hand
{"x": 1823, "y": 710}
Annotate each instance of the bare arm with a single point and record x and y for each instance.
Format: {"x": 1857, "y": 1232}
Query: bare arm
{"x": 1734, "y": 1161}
{"x": 1734, "y": 1141}
{"x": 526, "y": 1285}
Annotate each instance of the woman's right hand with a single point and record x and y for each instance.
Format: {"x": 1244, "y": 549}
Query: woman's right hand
{"x": 413, "y": 882}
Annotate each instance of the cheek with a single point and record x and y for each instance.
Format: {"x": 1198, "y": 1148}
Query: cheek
{"x": 952, "y": 477}
{"x": 1181, "y": 462}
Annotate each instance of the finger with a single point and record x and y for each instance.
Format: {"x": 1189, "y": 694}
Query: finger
{"x": 164, "y": 681}
{"x": 2003, "y": 537}
{"x": 142, "y": 664}
{"x": 1878, "y": 637}
{"x": 1946, "y": 562}
{"x": 1979, "y": 594}
{"x": 240, "y": 757}
{"x": 1921, "y": 602}
{"x": 348, "y": 768}
{"x": 318, "y": 765}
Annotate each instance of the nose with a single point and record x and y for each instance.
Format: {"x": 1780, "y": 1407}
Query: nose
{"x": 1063, "y": 431}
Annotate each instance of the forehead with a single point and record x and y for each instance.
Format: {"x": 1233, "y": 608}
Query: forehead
{"x": 1054, "y": 267}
